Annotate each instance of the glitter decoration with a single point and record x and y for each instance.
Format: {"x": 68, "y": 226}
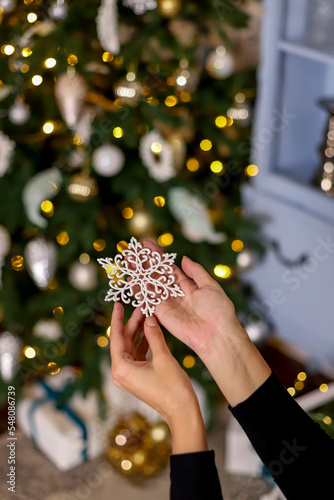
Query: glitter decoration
{"x": 40, "y": 256}
{"x": 140, "y": 6}
{"x": 70, "y": 91}
{"x": 149, "y": 272}
{"x": 107, "y": 26}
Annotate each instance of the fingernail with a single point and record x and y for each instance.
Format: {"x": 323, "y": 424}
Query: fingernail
{"x": 186, "y": 257}
{"x": 151, "y": 321}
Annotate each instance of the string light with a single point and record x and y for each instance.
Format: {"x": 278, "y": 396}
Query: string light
{"x": 58, "y": 311}
{"x": 291, "y": 391}
{"x": 323, "y": 388}
{"x": 327, "y": 420}
{"x": 130, "y": 76}
{"x": 252, "y": 170}
{"x": 118, "y": 132}
{"x": 102, "y": 341}
{"x": 159, "y": 201}
{"x": 63, "y": 238}
{"x": 8, "y": 50}
{"x": 107, "y": 57}
{"x": 48, "y": 127}
{"x": 17, "y": 262}
{"x": 192, "y": 164}
{"x": 171, "y": 101}
{"x": 221, "y": 121}
{"x": 299, "y": 386}
{"x": 206, "y": 145}
{"x": 37, "y": 80}
{"x": 53, "y": 368}
{"x": 99, "y": 245}
{"x": 72, "y": 60}
{"x": 53, "y": 284}
{"x": 47, "y": 208}
{"x": 302, "y": 376}
{"x": 26, "y": 52}
{"x": 29, "y": 352}
{"x": 216, "y": 167}
{"x": 222, "y": 271}
{"x": 189, "y": 361}
{"x": 122, "y": 245}
{"x": 170, "y": 81}
{"x": 50, "y": 62}
{"x": 185, "y": 96}
{"x": 237, "y": 245}
{"x": 126, "y": 464}
{"x": 156, "y": 147}
{"x": 84, "y": 258}
{"x": 127, "y": 213}
{"x": 108, "y": 331}
{"x": 31, "y": 17}
{"x": 24, "y": 68}
{"x": 165, "y": 239}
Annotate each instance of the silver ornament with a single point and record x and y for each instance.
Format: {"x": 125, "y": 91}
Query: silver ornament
{"x": 108, "y": 160}
{"x": 7, "y": 5}
{"x": 48, "y": 329}
{"x": 40, "y": 256}
{"x": 83, "y": 276}
{"x": 9, "y": 350}
{"x": 58, "y": 11}
{"x": 220, "y": 64}
{"x": 19, "y": 112}
{"x": 140, "y": 6}
{"x": 107, "y": 26}
{"x": 70, "y": 91}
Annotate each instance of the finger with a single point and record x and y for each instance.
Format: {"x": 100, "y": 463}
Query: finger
{"x": 142, "y": 349}
{"x": 116, "y": 331}
{"x": 196, "y": 272}
{"x": 154, "y": 336}
{"x": 187, "y": 284}
{"x": 134, "y": 326}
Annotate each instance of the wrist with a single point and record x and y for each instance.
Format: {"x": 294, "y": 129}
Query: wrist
{"x": 188, "y": 431}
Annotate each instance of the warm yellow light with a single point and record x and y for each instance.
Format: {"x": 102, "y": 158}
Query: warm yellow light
{"x": 72, "y": 60}
{"x": 118, "y": 132}
{"x": 302, "y": 376}
{"x": 107, "y": 57}
{"x": 29, "y": 352}
{"x": 159, "y": 201}
{"x": 63, "y": 238}
{"x": 108, "y": 331}
{"x": 237, "y": 245}
{"x": 189, "y": 361}
{"x": 32, "y": 17}
{"x": 291, "y": 391}
{"x": 58, "y": 311}
{"x": 299, "y": 386}
{"x": 50, "y": 62}
{"x": 102, "y": 341}
{"x": 130, "y": 76}
{"x": 8, "y": 50}
{"x": 126, "y": 464}
{"x": 216, "y": 166}
{"x": 240, "y": 97}
{"x": 24, "y": 68}
{"x": 229, "y": 121}
{"x": 171, "y": 101}
{"x": 53, "y": 284}
{"x": 185, "y": 96}
{"x": 26, "y": 52}
{"x": 48, "y": 127}
{"x": 127, "y": 213}
{"x": 170, "y": 81}
{"x": 119, "y": 60}
{"x": 221, "y": 121}
{"x": 99, "y": 245}
{"x": 84, "y": 258}
{"x": 192, "y": 165}
{"x": 156, "y": 147}
{"x": 222, "y": 271}
{"x": 17, "y": 262}
{"x": 323, "y": 388}
{"x": 47, "y": 207}
{"x": 165, "y": 239}
{"x": 122, "y": 245}
{"x": 327, "y": 420}
{"x": 252, "y": 170}
{"x": 206, "y": 145}
{"x": 77, "y": 140}
{"x": 53, "y": 368}
{"x": 37, "y": 80}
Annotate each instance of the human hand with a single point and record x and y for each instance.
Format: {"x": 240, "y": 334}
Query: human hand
{"x": 160, "y": 382}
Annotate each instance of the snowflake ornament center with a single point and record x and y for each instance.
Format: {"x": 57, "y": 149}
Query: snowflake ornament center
{"x": 143, "y": 275}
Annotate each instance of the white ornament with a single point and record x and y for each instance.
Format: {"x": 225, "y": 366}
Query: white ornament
{"x": 192, "y": 213}
{"x": 83, "y": 276}
{"x": 48, "y": 329}
{"x": 41, "y": 256}
{"x": 220, "y": 63}
{"x": 108, "y": 160}
{"x": 70, "y": 92}
{"x": 107, "y": 26}
{"x": 58, "y": 10}
{"x": 150, "y": 272}
{"x": 5, "y": 243}
{"x": 160, "y": 165}
{"x": 43, "y": 186}
{"x": 246, "y": 259}
{"x": 6, "y": 150}
{"x": 9, "y": 350}
{"x": 19, "y": 112}
{"x": 140, "y": 6}
{"x": 7, "y": 5}
{"x": 83, "y": 127}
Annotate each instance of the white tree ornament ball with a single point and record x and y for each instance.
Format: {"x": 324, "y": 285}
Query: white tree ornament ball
{"x": 108, "y": 160}
{"x": 220, "y": 64}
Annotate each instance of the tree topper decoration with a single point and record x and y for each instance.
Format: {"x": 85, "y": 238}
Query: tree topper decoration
{"x": 148, "y": 271}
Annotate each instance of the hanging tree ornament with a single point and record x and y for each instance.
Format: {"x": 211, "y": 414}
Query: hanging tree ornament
{"x": 151, "y": 277}
{"x": 157, "y": 155}
{"x": 108, "y": 160}
{"x": 10, "y": 347}
{"x": 5, "y": 244}
{"x": 193, "y": 215}
{"x": 6, "y": 150}
{"x": 140, "y": 6}
{"x": 7, "y": 5}
{"x": 41, "y": 256}
{"x": 70, "y": 92}
{"x": 169, "y": 8}
{"x": 107, "y": 26}
{"x": 42, "y": 186}
{"x": 220, "y": 63}
{"x": 19, "y": 112}
{"x": 58, "y": 10}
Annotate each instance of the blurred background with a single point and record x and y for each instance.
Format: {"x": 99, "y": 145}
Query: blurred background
{"x": 207, "y": 126}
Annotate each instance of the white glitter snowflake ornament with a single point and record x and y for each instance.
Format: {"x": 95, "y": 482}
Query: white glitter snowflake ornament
{"x": 151, "y": 277}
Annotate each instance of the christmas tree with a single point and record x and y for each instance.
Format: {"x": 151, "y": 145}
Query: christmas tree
{"x": 117, "y": 119}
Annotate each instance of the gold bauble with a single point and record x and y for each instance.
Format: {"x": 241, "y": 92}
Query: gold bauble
{"x": 82, "y": 187}
{"x": 139, "y": 449}
{"x": 141, "y": 223}
{"x": 169, "y": 8}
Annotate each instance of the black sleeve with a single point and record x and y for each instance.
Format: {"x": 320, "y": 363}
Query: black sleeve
{"x": 296, "y": 451}
{"x": 194, "y": 477}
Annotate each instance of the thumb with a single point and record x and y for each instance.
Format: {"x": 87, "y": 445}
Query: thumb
{"x": 196, "y": 272}
{"x": 154, "y": 335}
